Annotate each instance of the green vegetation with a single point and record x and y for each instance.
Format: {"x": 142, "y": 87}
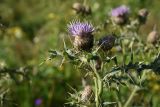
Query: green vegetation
{"x": 31, "y": 76}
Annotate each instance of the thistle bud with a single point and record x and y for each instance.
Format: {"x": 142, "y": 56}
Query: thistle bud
{"x": 106, "y": 43}
{"x": 88, "y": 10}
{"x": 142, "y": 15}
{"x": 86, "y": 93}
{"x": 78, "y": 7}
{"x": 153, "y": 37}
{"x": 82, "y": 33}
{"x": 120, "y": 15}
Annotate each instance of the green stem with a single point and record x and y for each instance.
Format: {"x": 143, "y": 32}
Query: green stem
{"x": 134, "y": 91}
{"x": 85, "y": 2}
{"x": 131, "y": 96}
{"x": 98, "y": 86}
{"x": 96, "y": 92}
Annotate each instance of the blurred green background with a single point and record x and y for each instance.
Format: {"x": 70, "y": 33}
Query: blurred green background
{"x": 29, "y": 28}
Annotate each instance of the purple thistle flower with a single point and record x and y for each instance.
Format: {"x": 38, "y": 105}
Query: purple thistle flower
{"x": 38, "y": 101}
{"x": 82, "y": 32}
{"x": 77, "y": 28}
{"x": 120, "y": 11}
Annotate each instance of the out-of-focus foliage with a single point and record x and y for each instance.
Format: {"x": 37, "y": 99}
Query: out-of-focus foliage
{"x": 29, "y": 28}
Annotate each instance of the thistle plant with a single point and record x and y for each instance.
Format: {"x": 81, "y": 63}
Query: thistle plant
{"x": 103, "y": 53}
{"x": 105, "y": 69}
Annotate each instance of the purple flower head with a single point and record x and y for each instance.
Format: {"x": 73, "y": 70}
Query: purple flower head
{"x": 77, "y": 28}
{"x": 120, "y": 11}
{"x": 38, "y": 101}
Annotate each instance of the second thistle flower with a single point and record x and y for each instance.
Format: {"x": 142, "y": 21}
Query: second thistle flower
{"x": 120, "y": 14}
{"x": 82, "y": 33}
